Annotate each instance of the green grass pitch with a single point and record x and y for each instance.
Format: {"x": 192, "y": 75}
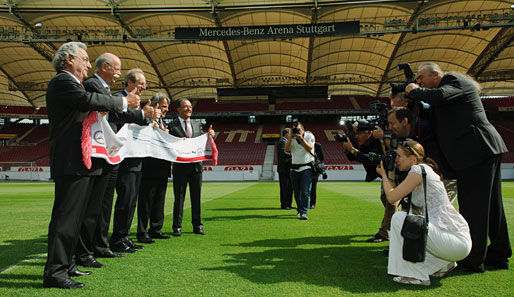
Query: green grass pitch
{"x": 252, "y": 248}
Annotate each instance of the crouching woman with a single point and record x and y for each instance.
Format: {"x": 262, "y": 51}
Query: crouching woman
{"x": 448, "y": 237}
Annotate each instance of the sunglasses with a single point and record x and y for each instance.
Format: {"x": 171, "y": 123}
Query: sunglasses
{"x": 406, "y": 145}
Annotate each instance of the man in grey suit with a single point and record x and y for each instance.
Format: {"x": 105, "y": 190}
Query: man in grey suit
{"x": 184, "y": 173}
{"x": 68, "y": 105}
{"x": 474, "y": 149}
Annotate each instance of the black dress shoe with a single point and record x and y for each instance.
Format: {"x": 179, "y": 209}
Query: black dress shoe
{"x": 145, "y": 238}
{"x": 89, "y": 261}
{"x": 177, "y": 232}
{"x": 497, "y": 264}
{"x": 159, "y": 235}
{"x": 131, "y": 244}
{"x": 66, "y": 283}
{"x": 377, "y": 238}
{"x": 122, "y": 247}
{"x": 198, "y": 230}
{"x": 464, "y": 267}
{"x": 77, "y": 272}
{"x": 110, "y": 254}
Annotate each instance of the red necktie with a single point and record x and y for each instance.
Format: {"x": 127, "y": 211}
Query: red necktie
{"x": 188, "y": 133}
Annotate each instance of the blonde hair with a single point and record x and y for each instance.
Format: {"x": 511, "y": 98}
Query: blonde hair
{"x": 414, "y": 148}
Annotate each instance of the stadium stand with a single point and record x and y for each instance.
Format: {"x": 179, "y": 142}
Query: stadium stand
{"x": 236, "y": 144}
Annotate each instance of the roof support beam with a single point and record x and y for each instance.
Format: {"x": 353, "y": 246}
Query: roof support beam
{"x": 230, "y": 60}
{"x": 314, "y": 20}
{"x": 14, "y": 83}
{"x": 145, "y": 52}
{"x": 410, "y": 23}
{"x": 501, "y": 41}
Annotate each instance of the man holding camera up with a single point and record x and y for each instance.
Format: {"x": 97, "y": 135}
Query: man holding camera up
{"x": 474, "y": 150}
{"x": 367, "y": 142}
{"x": 301, "y": 145}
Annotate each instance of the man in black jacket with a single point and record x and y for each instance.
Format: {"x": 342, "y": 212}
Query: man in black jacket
{"x": 152, "y": 192}
{"x": 187, "y": 173}
{"x": 94, "y": 230}
{"x": 284, "y": 169}
{"x": 128, "y": 182}
{"x": 474, "y": 150}
{"x": 68, "y": 105}
{"x": 366, "y": 142}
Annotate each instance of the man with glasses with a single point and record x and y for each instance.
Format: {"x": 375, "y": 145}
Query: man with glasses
{"x": 68, "y": 106}
{"x": 474, "y": 150}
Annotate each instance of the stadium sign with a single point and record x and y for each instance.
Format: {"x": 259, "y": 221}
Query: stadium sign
{"x": 271, "y": 31}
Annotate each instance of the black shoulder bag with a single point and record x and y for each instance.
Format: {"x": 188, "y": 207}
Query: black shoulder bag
{"x": 415, "y": 230}
{"x": 316, "y": 167}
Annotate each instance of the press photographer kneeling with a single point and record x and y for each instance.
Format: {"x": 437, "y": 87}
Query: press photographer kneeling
{"x": 448, "y": 238}
{"x": 368, "y": 149}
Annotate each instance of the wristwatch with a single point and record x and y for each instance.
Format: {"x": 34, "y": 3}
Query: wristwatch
{"x": 354, "y": 151}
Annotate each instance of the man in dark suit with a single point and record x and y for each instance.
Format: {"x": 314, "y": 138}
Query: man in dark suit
{"x": 284, "y": 169}
{"x": 127, "y": 184}
{"x": 94, "y": 230}
{"x": 68, "y": 105}
{"x": 184, "y": 173}
{"x": 152, "y": 192}
{"x": 474, "y": 149}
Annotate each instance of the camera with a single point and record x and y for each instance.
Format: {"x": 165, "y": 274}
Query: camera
{"x": 295, "y": 130}
{"x": 409, "y": 75}
{"x": 388, "y": 159}
{"x": 341, "y": 138}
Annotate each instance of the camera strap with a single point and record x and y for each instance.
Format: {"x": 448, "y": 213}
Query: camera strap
{"x": 424, "y": 175}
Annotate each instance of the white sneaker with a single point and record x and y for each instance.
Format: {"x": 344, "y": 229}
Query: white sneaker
{"x": 419, "y": 282}
{"x": 303, "y": 216}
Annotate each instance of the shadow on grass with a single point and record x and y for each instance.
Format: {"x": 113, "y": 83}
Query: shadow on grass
{"x": 22, "y": 253}
{"x": 247, "y": 208}
{"x": 334, "y": 262}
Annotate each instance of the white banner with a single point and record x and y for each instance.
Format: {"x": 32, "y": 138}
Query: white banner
{"x": 134, "y": 141}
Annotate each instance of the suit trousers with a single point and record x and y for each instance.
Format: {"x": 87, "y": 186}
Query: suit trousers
{"x": 286, "y": 188}
{"x": 389, "y": 210}
{"x": 150, "y": 205}
{"x": 313, "y": 190}
{"x": 100, "y": 245}
{"x": 480, "y": 203}
{"x": 183, "y": 174}
{"x": 71, "y": 199}
{"x": 127, "y": 187}
{"x": 90, "y": 222}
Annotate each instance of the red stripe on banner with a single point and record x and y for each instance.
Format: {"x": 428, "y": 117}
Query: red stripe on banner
{"x": 103, "y": 151}
{"x": 214, "y": 152}
{"x": 196, "y": 159}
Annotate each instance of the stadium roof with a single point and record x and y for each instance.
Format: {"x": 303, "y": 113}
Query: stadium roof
{"x": 470, "y": 36}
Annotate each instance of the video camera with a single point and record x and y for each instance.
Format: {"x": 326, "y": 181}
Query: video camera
{"x": 409, "y": 75}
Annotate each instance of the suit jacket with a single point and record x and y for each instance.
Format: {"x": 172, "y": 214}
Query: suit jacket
{"x": 117, "y": 120}
{"x": 68, "y": 104}
{"x": 463, "y": 132}
{"x": 283, "y": 157}
{"x": 318, "y": 149}
{"x": 176, "y": 129}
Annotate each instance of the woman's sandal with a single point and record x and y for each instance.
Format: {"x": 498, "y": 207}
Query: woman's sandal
{"x": 444, "y": 271}
{"x": 411, "y": 281}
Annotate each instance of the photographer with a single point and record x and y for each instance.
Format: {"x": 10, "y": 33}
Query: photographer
{"x": 402, "y": 122}
{"x": 301, "y": 145}
{"x": 368, "y": 142}
{"x": 448, "y": 233}
{"x": 318, "y": 149}
{"x": 474, "y": 150}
